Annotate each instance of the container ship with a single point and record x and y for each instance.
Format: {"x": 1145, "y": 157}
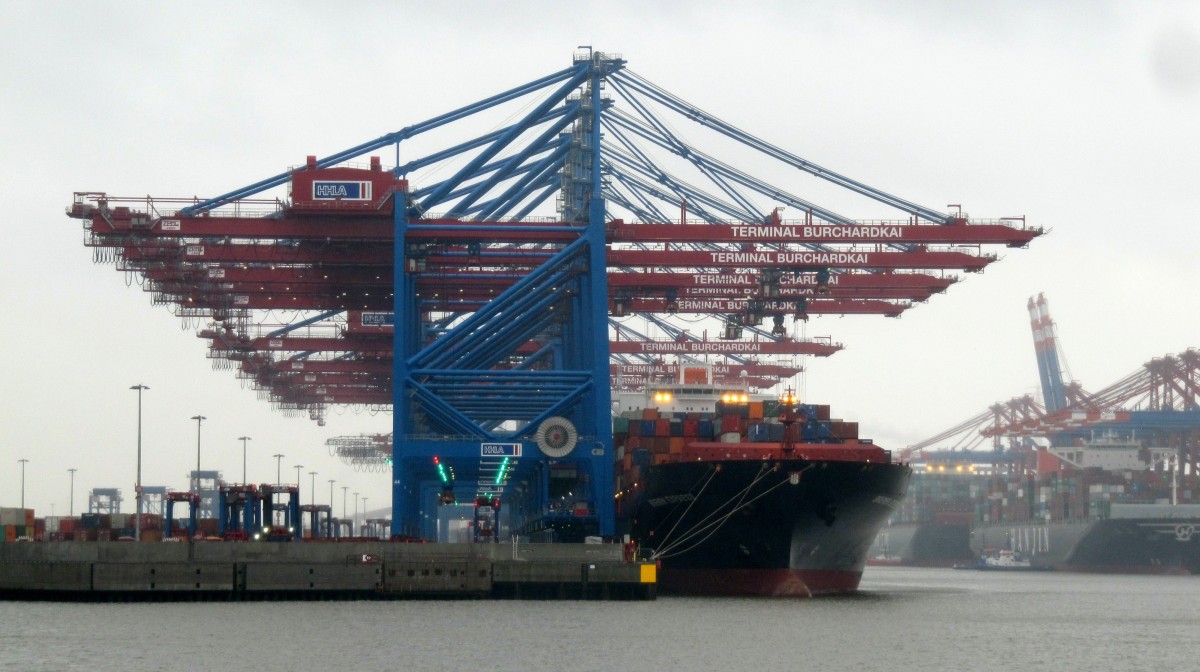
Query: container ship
{"x": 743, "y": 496}
{"x": 1106, "y": 505}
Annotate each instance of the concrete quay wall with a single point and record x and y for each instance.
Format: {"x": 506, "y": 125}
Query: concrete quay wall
{"x": 315, "y": 570}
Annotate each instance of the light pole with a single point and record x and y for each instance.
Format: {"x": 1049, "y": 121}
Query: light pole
{"x": 344, "y": 489}
{"x": 72, "y": 470}
{"x": 300, "y": 523}
{"x": 278, "y": 466}
{"x": 355, "y": 530}
{"x": 22, "y": 461}
{"x": 137, "y": 489}
{"x": 199, "y": 419}
{"x": 243, "y": 439}
{"x": 313, "y": 487}
{"x": 329, "y": 518}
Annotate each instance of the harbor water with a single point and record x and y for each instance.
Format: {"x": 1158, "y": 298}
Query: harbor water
{"x": 902, "y": 619}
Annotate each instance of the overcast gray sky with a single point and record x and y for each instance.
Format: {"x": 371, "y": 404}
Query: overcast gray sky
{"x": 1082, "y": 116}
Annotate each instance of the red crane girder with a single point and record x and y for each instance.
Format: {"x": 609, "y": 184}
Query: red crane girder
{"x": 741, "y": 305}
{"x": 318, "y": 255}
{"x": 690, "y": 347}
{"x": 798, "y": 259}
{"x": 753, "y": 281}
{"x": 660, "y": 370}
{"x": 809, "y": 233}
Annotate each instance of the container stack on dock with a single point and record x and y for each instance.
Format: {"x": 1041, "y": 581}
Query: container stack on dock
{"x": 97, "y": 527}
{"x": 18, "y": 524}
{"x": 939, "y": 497}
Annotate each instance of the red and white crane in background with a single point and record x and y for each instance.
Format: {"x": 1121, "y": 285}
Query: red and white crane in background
{"x": 1159, "y": 401}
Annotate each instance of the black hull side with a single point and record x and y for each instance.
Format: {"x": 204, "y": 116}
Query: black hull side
{"x": 1138, "y": 545}
{"x": 926, "y": 545}
{"x": 744, "y": 524}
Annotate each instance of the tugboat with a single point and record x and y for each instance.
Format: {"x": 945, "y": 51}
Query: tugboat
{"x": 1005, "y": 560}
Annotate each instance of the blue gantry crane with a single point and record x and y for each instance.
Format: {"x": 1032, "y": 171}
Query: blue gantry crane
{"x": 433, "y": 289}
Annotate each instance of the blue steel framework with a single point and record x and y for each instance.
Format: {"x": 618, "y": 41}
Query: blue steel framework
{"x": 452, "y": 379}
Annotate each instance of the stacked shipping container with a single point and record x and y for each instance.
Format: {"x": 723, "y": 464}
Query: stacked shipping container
{"x": 647, "y": 437}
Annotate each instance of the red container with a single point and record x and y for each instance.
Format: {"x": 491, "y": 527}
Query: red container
{"x": 67, "y": 524}
{"x": 662, "y": 427}
{"x": 691, "y": 427}
{"x": 732, "y": 423}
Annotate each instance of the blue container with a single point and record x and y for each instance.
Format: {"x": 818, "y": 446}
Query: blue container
{"x": 704, "y": 429}
{"x": 759, "y": 432}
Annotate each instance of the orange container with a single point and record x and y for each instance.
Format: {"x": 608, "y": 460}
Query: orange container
{"x": 676, "y": 444}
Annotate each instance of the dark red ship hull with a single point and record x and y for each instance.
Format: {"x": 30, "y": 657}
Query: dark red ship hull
{"x": 757, "y": 582}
